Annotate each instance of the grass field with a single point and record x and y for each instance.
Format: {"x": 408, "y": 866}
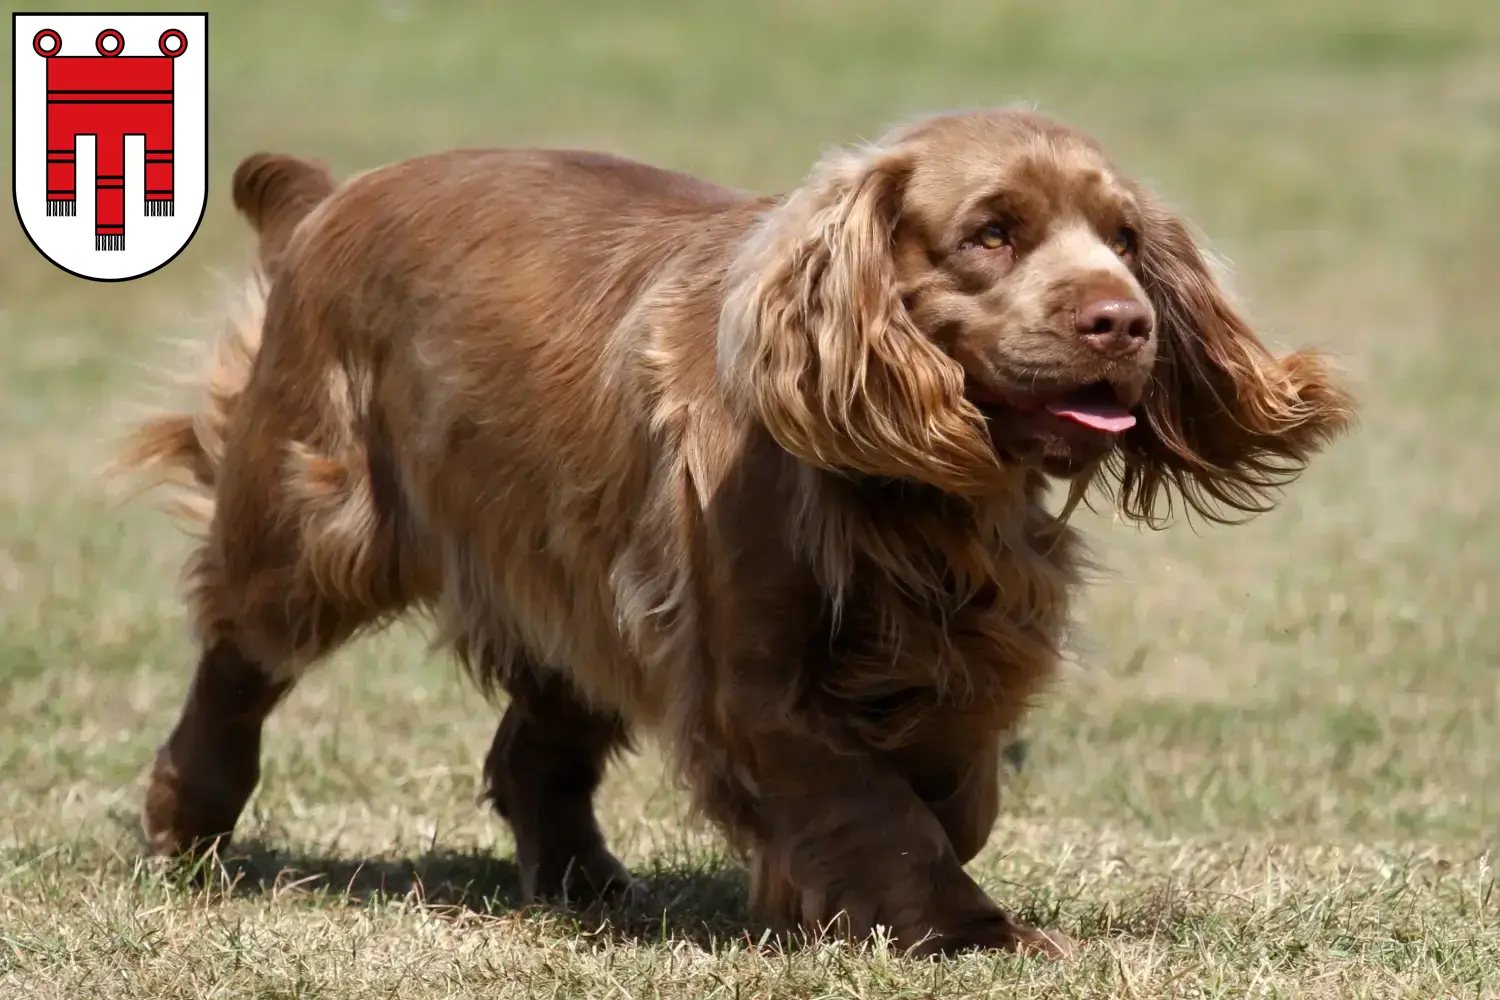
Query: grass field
{"x": 1278, "y": 773}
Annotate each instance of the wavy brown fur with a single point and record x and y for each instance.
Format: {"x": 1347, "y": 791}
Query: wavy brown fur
{"x": 1228, "y": 424}
{"x": 184, "y": 449}
{"x": 763, "y": 476}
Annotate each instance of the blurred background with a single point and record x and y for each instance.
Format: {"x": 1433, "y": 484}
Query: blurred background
{"x": 1327, "y": 675}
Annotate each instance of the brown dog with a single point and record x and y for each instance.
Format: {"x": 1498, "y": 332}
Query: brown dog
{"x": 761, "y": 475}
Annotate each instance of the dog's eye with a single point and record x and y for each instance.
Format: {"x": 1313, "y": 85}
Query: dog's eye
{"x": 1124, "y": 242}
{"x": 991, "y": 236}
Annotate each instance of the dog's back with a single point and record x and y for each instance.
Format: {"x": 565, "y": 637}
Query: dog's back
{"x": 433, "y": 388}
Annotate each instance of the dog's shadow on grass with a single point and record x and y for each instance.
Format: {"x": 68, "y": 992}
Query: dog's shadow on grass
{"x": 702, "y": 903}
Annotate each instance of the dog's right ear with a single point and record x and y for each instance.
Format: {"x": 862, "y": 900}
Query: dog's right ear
{"x": 815, "y": 341}
{"x": 1228, "y": 423}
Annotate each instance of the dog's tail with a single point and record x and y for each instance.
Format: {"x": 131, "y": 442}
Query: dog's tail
{"x": 275, "y": 193}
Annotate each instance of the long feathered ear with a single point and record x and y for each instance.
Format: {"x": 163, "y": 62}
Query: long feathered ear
{"x": 1228, "y": 424}
{"x": 814, "y": 339}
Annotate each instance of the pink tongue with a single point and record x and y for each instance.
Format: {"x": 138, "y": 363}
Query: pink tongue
{"x": 1100, "y": 416}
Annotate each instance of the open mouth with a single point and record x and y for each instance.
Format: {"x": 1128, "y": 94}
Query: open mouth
{"x": 1096, "y": 406}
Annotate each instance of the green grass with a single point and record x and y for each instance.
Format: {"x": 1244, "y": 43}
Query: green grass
{"x": 1278, "y": 773}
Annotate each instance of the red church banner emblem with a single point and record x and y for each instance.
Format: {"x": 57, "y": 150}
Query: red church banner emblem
{"x": 111, "y": 138}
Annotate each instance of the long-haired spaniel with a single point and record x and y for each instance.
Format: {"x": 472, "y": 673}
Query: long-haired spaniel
{"x": 762, "y": 476}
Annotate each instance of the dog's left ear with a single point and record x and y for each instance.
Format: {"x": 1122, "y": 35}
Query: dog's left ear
{"x": 816, "y": 342}
{"x": 1228, "y": 424}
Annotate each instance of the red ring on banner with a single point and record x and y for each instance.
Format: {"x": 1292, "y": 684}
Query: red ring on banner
{"x": 36, "y": 43}
{"x": 161, "y": 43}
{"x": 110, "y": 33}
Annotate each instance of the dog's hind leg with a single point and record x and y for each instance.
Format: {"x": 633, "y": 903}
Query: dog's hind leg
{"x": 267, "y": 607}
{"x": 265, "y": 614}
{"x": 206, "y": 770}
{"x": 304, "y": 549}
{"x": 546, "y": 761}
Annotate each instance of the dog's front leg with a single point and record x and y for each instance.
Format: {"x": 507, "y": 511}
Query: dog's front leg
{"x": 846, "y": 844}
{"x": 838, "y": 838}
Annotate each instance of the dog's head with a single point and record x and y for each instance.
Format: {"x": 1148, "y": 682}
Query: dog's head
{"x": 985, "y": 291}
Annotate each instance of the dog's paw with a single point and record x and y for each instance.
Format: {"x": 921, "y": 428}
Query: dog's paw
{"x": 1000, "y": 933}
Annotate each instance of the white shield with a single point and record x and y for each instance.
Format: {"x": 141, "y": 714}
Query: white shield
{"x": 111, "y": 138}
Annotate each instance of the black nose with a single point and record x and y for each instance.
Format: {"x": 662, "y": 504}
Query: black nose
{"x": 1117, "y": 327}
